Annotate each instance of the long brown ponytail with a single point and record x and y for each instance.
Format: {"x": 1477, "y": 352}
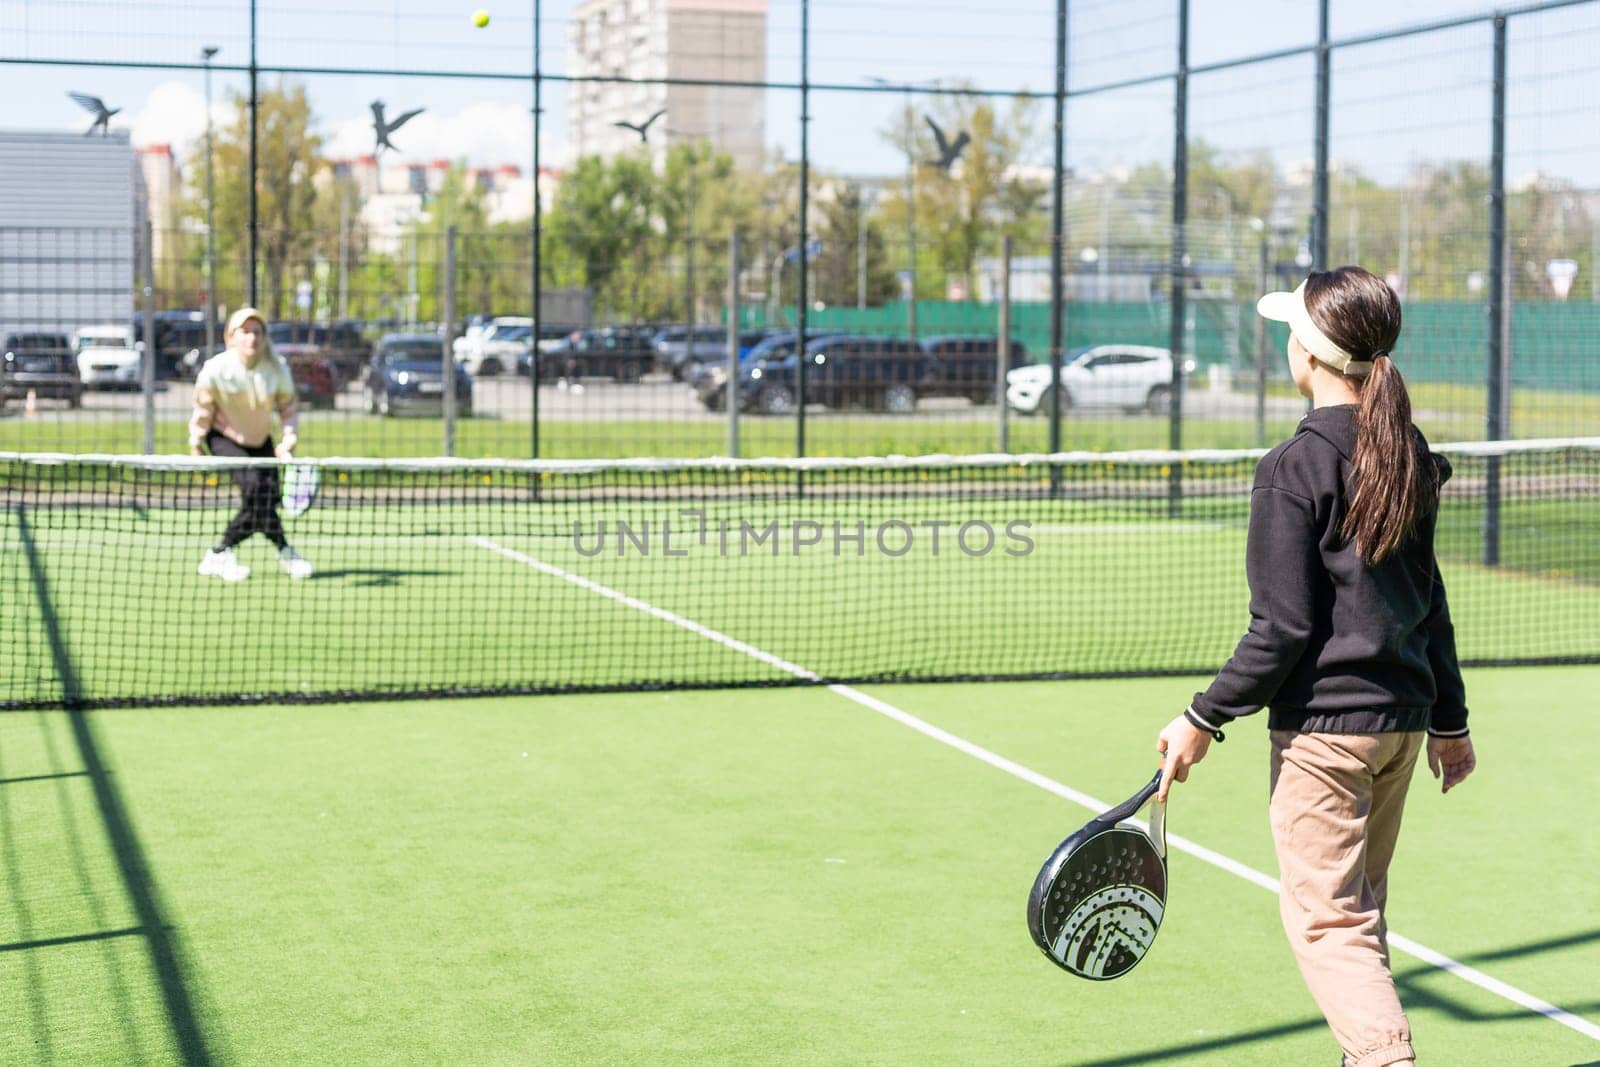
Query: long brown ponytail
{"x": 1394, "y": 484}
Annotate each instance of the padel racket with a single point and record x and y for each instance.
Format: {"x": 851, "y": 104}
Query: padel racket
{"x": 1098, "y": 901}
{"x": 300, "y": 482}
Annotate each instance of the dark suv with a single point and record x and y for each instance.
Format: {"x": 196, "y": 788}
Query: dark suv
{"x": 871, "y": 372}
{"x": 624, "y": 353}
{"x": 43, "y": 364}
{"x": 967, "y": 366}
{"x": 180, "y": 342}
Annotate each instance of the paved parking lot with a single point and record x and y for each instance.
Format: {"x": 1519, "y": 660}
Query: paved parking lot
{"x": 657, "y": 397}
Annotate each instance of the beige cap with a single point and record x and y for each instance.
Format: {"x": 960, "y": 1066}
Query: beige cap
{"x": 1291, "y": 308}
{"x": 242, "y": 316}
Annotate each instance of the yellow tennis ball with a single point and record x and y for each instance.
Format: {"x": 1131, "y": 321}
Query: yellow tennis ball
{"x": 480, "y": 18}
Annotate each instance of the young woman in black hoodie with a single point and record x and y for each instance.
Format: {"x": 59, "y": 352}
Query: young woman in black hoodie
{"x": 1350, "y": 647}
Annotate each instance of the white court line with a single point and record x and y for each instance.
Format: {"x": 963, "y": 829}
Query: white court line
{"x": 1049, "y": 785}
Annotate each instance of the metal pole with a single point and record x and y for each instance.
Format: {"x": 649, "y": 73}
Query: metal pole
{"x": 1002, "y": 355}
{"x": 538, "y": 234}
{"x": 861, "y": 249}
{"x": 1319, "y": 185}
{"x": 255, "y": 108}
{"x": 1059, "y": 174}
{"x": 207, "y": 54}
{"x": 688, "y": 254}
{"x": 911, "y": 224}
{"x": 1494, "y": 428}
{"x": 805, "y": 203}
{"x": 730, "y": 392}
{"x": 147, "y": 358}
{"x": 1180, "y": 220}
{"x": 1262, "y": 355}
{"x": 447, "y": 355}
{"x": 413, "y": 298}
{"x": 344, "y": 249}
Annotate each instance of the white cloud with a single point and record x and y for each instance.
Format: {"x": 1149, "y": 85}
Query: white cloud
{"x": 173, "y": 114}
{"x": 485, "y": 134}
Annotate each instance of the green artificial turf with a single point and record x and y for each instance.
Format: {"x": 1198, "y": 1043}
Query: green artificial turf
{"x": 726, "y": 877}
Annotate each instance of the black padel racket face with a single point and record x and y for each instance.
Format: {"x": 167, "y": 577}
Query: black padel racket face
{"x": 1098, "y": 901}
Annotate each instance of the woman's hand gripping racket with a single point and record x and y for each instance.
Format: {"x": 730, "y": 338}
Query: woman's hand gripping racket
{"x": 1097, "y": 902}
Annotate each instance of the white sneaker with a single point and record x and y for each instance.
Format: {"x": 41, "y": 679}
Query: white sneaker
{"x": 293, "y": 563}
{"x": 224, "y": 565}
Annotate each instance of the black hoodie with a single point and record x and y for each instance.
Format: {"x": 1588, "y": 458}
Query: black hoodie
{"x": 1334, "y": 645}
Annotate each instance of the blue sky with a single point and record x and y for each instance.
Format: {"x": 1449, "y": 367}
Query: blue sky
{"x": 1424, "y": 99}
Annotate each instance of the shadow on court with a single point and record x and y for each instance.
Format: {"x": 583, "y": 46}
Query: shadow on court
{"x": 377, "y": 577}
{"x": 138, "y": 881}
{"x": 1413, "y": 996}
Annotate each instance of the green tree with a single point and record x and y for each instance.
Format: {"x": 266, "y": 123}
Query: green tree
{"x": 961, "y": 213}
{"x": 601, "y": 227}
{"x": 845, "y": 230}
{"x": 288, "y": 160}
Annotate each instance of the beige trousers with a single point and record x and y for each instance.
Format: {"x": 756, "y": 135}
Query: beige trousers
{"x": 1336, "y": 806}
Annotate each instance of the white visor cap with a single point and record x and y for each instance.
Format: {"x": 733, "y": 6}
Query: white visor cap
{"x": 1291, "y": 308}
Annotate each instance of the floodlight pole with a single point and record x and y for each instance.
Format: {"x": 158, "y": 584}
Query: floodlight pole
{"x": 911, "y": 201}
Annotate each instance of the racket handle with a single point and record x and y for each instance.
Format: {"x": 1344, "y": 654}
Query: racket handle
{"x": 1129, "y": 807}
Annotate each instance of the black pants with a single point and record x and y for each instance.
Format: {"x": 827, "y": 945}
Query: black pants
{"x": 259, "y": 492}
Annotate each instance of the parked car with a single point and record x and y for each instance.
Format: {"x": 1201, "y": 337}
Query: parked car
{"x": 966, "y": 366}
{"x": 340, "y": 342}
{"x": 749, "y": 341}
{"x": 180, "y": 342}
{"x": 842, "y": 371}
{"x": 680, "y": 348}
{"x": 710, "y": 384}
{"x": 552, "y": 336}
{"x": 407, "y": 374}
{"x": 107, "y": 357}
{"x": 1132, "y": 377}
{"x": 43, "y": 364}
{"x": 623, "y": 353}
{"x": 316, "y": 381}
{"x": 494, "y": 347}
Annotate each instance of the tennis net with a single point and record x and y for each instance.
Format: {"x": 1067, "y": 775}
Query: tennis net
{"x": 437, "y": 578}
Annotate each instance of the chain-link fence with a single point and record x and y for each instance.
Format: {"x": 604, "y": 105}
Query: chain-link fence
{"x": 754, "y": 237}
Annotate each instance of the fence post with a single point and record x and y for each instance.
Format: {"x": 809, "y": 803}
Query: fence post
{"x": 147, "y": 358}
{"x": 730, "y": 392}
{"x": 1002, "y": 354}
{"x": 1494, "y": 424}
{"x": 1180, "y": 254}
{"x": 1261, "y": 346}
{"x": 1057, "y": 243}
{"x": 448, "y": 354}
{"x": 804, "y": 261}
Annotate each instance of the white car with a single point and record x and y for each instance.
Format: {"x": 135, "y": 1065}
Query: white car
{"x": 107, "y": 357}
{"x": 1131, "y": 377}
{"x": 495, "y": 347}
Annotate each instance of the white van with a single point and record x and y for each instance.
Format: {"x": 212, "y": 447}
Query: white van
{"x": 107, "y": 358}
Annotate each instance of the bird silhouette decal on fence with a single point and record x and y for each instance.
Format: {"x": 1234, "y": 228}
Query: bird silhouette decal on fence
{"x": 384, "y": 127}
{"x": 642, "y": 128}
{"x": 96, "y": 107}
{"x": 949, "y": 151}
